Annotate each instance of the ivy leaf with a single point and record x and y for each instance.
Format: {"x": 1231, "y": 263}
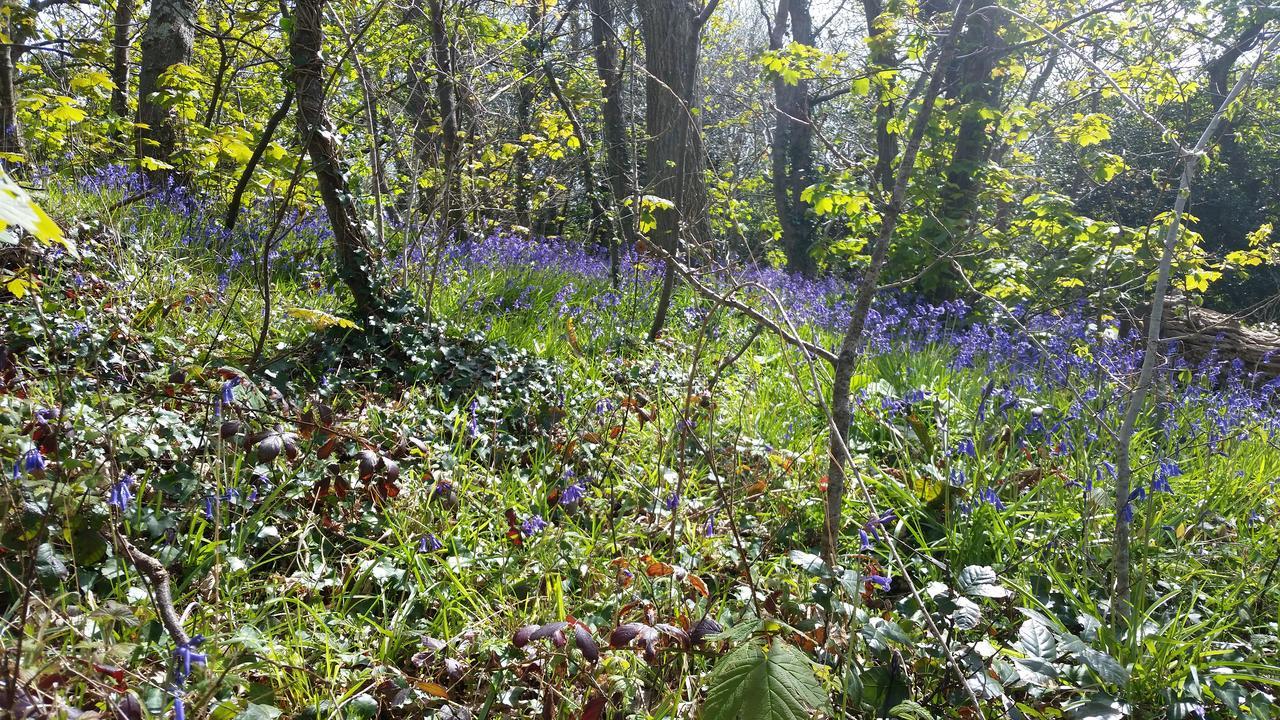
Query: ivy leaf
{"x": 756, "y": 682}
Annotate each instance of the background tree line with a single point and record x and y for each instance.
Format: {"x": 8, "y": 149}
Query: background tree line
{"x": 758, "y": 131}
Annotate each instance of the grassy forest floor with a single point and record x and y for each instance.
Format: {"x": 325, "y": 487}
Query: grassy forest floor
{"x": 356, "y": 531}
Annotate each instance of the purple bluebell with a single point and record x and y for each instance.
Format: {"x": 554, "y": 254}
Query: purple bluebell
{"x": 533, "y": 525}
{"x": 672, "y": 502}
{"x": 121, "y": 494}
{"x": 573, "y": 493}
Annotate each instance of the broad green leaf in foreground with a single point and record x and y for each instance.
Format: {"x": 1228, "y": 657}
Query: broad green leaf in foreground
{"x": 756, "y": 682}
{"x": 17, "y": 208}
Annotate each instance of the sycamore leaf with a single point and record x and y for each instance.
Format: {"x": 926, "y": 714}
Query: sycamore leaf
{"x": 757, "y": 682}
{"x": 150, "y": 163}
{"x": 19, "y": 285}
{"x": 321, "y": 320}
{"x": 17, "y": 208}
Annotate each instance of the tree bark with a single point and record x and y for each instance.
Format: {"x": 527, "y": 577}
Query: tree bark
{"x": 972, "y": 86}
{"x": 168, "y": 40}
{"x": 604, "y": 41}
{"x": 447, "y": 102}
{"x": 10, "y": 133}
{"x": 882, "y": 55}
{"x": 674, "y": 155}
{"x": 527, "y": 94}
{"x": 355, "y": 264}
{"x": 121, "y": 23}
{"x": 791, "y": 153}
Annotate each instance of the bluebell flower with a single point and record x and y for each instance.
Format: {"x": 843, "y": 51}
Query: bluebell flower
{"x": 957, "y": 477}
{"x": 473, "y": 422}
{"x": 864, "y": 539}
{"x": 186, "y": 656}
{"x": 533, "y": 525}
{"x": 879, "y": 580}
{"x": 228, "y": 391}
{"x": 121, "y": 494}
{"x": 990, "y": 497}
{"x": 965, "y": 447}
{"x": 710, "y": 528}
{"x": 209, "y": 501}
{"x": 429, "y": 543}
{"x": 672, "y": 502}
{"x": 573, "y": 494}
{"x": 1126, "y": 513}
{"x": 1165, "y": 470}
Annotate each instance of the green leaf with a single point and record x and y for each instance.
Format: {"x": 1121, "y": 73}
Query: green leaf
{"x": 756, "y": 682}
{"x": 910, "y": 710}
{"x": 1038, "y": 641}
{"x": 980, "y": 580}
{"x": 49, "y": 567}
{"x": 1102, "y": 664}
{"x": 883, "y": 688}
{"x": 259, "y": 712}
{"x": 17, "y": 208}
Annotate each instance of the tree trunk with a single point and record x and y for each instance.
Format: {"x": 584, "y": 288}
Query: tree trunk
{"x": 122, "y": 24}
{"x": 604, "y": 41}
{"x": 977, "y": 92}
{"x": 10, "y": 134}
{"x": 674, "y": 154}
{"x": 447, "y": 101}
{"x": 355, "y": 265}
{"x": 791, "y": 153}
{"x": 527, "y": 94}
{"x": 268, "y": 132}
{"x": 883, "y": 55}
{"x": 851, "y": 345}
{"x": 168, "y": 41}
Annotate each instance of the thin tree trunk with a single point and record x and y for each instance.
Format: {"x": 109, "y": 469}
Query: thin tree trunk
{"x": 355, "y": 265}
{"x": 617, "y": 160}
{"x": 883, "y": 55}
{"x": 674, "y": 152}
{"x": 246, "y": 175}
{"x": 168, "y": 40}
{"x": 791, "y": 153}
{"x": 527, "y": 94}
{"x": 1121, "y": 605}
{"x": 10, "y": 133}
{"x": 447, "y": 103}
{"x": 122, "y": 24}
{"x": 851, "y": 345}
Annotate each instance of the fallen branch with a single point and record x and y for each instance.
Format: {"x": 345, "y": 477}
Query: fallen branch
{"x": 156, "y": 574}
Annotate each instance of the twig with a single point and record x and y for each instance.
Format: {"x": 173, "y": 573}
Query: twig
{"x": 162, "y": 596}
